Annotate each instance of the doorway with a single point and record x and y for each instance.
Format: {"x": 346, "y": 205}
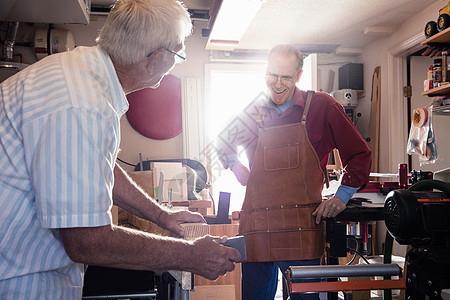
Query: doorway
{"x": 440, "y": 121}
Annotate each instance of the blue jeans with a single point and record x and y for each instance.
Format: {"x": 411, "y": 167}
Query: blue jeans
{"x": 260, "y": 279}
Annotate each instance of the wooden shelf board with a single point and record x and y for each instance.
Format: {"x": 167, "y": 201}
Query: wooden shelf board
{"x": 440, "y": 37}
{"x": 442, "y": 90}
{"x": 444, "y": 38}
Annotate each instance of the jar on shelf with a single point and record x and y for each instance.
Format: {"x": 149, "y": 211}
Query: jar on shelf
{"x": 437, "y": 72}
{"x": 428, "y": 83}
{"x": 430, "y": 75}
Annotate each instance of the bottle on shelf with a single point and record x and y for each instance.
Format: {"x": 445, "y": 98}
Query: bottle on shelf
{"x": 428, "y": 83}
{"x": 437, "y": 72}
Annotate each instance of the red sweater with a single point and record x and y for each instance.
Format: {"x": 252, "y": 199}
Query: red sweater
{"x": 328, "y": 128}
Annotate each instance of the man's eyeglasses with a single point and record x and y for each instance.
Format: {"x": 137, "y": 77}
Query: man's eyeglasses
{"x": 180, "y": 56}
{"x": 286, "y": 80}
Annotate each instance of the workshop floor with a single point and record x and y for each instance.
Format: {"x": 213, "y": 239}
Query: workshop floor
{"x": 279, "y": 294}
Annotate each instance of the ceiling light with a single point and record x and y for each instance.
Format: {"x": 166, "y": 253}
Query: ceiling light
{"x": 229, "y": 43}
{"x": 231, "y": 22}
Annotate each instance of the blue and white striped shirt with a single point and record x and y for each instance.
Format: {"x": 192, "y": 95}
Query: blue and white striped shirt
{"x": 59, "y": 137}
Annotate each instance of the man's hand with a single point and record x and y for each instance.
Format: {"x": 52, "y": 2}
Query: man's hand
{"x": 171, "y": 220}
{"x": 213, "y": 259}
{"x": 329, "y": 209}
{"x": 241, "y": 172}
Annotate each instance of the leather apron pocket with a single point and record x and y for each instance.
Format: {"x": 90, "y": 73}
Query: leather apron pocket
{"x": 283, "y": 233}
{"x": 281, "y": 157}
{"x": 279, "y": 219}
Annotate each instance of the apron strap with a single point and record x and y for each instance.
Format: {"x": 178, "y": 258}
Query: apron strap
{"x": 305, "y": 114}
{"x": 307, "y": 104}
{"x": 260, "y": 118}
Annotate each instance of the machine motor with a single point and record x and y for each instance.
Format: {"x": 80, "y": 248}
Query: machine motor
{"x": 419, "y": 215}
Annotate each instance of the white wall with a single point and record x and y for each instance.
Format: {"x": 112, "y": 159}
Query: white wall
{"x": 378, "y": 54}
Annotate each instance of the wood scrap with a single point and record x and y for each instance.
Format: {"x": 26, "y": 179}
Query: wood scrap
{"x": 373, "y": 140}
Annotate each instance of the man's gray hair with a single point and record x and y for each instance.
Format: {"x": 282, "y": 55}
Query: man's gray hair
{"x": 136, "y": 28}
{"x": 286, "y": 50}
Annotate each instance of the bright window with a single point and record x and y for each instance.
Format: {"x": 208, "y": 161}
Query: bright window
{"x": 229, "y": 89}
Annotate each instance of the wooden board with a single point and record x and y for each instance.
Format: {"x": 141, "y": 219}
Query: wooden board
{"x": 194, "y": 230}
{"x": 373, "y": 140}
{"x": 144, "y": 179}
{"x": 216, "y": 292}
{"x": 224, "y": 282}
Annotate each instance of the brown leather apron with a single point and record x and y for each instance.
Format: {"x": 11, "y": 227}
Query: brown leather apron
{"x": 283, "y": 189}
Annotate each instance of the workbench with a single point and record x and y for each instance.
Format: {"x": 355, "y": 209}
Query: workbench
{"x": 363, "y": 213}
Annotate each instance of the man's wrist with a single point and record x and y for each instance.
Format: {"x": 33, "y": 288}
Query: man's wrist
{"x": 160, "y": 216}
{"x": 345, "y": 193}
{"x": 229, "y": 160}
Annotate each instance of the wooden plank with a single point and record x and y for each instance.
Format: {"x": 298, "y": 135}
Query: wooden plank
{"x": 148, "y": 226}
{"x": 231, "y": 278}
{"x": 144, "y": 179}
{"x": 115, "y": 215}
{"x": 442, "y": 90}
{"x": 200, "y": 203}
{"x": 204, "y": 292}
{"x": 374, "y": 125}
{"x": 191, "y": 232}
{"x": 195, "y": 230}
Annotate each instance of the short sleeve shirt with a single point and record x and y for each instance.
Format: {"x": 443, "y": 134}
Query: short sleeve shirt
{"x": 60, "y": 134}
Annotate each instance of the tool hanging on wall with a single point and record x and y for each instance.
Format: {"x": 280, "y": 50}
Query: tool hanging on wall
{"x": 373, "y": 140}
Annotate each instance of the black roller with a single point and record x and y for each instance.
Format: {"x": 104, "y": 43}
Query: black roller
{"x": 345, "y": 271}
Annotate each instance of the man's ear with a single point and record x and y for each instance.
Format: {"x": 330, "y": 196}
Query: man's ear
{"x": 299, "y": 75}
{"x": 157, "y": 54}
{"x": 154, "y": 60}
